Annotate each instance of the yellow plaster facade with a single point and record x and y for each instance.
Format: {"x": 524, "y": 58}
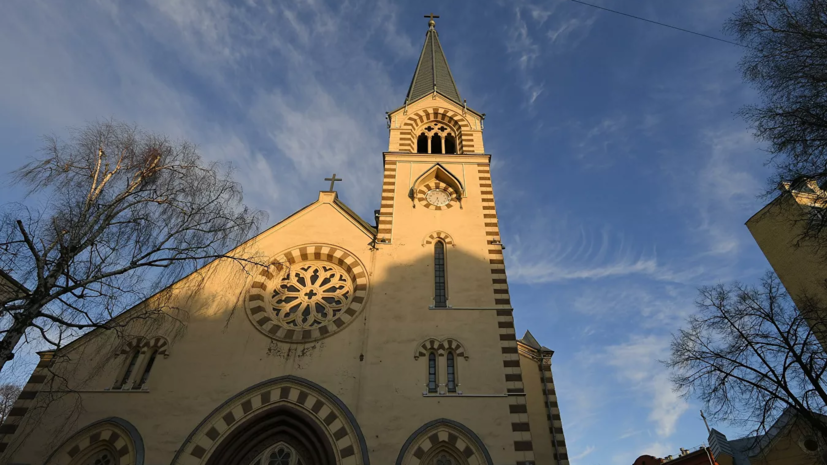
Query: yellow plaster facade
{"x": 777, "y": 229}
{"x": 391, "y": 343}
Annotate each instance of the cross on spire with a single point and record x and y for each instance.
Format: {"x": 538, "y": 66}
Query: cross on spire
{"x": 431, "y": 23}
{"x": 332, "y": 180}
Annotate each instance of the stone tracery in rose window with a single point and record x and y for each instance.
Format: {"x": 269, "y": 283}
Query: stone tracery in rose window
{"x": 311, "y": 294}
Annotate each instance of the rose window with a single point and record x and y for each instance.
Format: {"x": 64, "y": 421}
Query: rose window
{"x": 311, "y": 294}
{"x": 307, "y": 293}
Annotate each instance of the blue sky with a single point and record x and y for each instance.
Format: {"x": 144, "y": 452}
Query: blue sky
{"x": 622, "y": 174}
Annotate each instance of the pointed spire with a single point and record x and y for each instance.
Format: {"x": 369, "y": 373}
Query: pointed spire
{"x": 528, "y": 339}
{"x": 432, "y": 71}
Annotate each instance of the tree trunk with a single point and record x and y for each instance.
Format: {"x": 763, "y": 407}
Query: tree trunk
{"x": 12, "y": 337}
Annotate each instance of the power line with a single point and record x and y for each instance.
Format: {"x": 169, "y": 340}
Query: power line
{"x": 659, "y": 23}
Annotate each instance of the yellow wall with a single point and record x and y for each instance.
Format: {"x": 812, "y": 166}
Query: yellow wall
{"x": 370, "y": 364}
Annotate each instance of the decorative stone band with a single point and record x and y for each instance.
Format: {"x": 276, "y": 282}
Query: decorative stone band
{"x": 441, "y": 348}
{"x": 443, "y": 436}
{"x": 385, "y": 225}
{"x": 24, "y": 402}
{"x": 114, "y": 434}
{"x": 554, "y": 420}
{"x": 159, "y": 343}
{"x": 428, "y": 186}
{"x": 323, "y": 407}
{"x": 518, "y": 411}
{"x": 260, "y": 312}
{"x": 436, "y": 235}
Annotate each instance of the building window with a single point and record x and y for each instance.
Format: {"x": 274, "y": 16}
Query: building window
{"x": 440, "y": 295}
{"x": 281, "y": 454}
{"x": 422, "y": 143}
{"x": 129, "y": 369}
{"x": 145, "y": 375}
{"x": 450, "y": 144}
{"x": 432, "y": 372}
{"x": 436, "y": 143}
{"x": 102, "y": 458}
{"x": 452, "y": 373}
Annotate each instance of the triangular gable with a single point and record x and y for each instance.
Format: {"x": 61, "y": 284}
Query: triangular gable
{"x": 439, "y": 169}
{"x": 325, "y": 197}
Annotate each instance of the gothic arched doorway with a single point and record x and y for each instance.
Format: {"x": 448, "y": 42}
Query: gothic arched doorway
{"x": 281, "y": 421}
{"x": 278, "y": 436}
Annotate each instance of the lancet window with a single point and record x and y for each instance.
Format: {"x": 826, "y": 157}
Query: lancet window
{"x": 147, "y": 369}
{"x": 141, "y": 356}
{"x": 452, "y": 373}
{"x": 432, "y": 376}
{"x": 130, "y": 367}
{"x": 436, "y": 137}
{"x": 440, "y": 288}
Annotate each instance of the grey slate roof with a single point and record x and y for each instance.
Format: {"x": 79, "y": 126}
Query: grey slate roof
{"x": 432, "y": 72}
{"x": 529, "y": 340}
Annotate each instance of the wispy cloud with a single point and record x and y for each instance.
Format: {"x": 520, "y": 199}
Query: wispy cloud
{"x": 545, "y": 253}
{"x": 637, "y": 362}
{"x": 588, "y": 450}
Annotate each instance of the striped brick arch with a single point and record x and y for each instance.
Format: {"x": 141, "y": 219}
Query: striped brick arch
{"x": 325, "y": 413}
{"x": 436, "y": 184}
{"x": 465, "y": 141}
{"x": 259, "y": 298}
{"x": 447, "y": 437}
{"x": 159, "y": 343}
{"x": 436, "y": 236}
{"x": 115, "y": 435}
{"x": 440, "y": 347}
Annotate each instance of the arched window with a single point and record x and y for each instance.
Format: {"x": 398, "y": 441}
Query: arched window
{"x": 280, "y": 454}
{"x": 440, "y": 295}
{"x": 104, "y": 457}
{"x": 443, "y": 459}
{"x": 145, "y": 375}
{"x": 129, "y": 368}
{"x": 450, "y": 144}
{"x": 436, "y": 144}
{"x": 432, "y": 372}
{"x": 422, "y": 143}
{"x": 452, "y": 373}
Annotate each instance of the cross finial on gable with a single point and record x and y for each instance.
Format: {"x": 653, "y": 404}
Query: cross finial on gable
{"x": 332, "y": 180}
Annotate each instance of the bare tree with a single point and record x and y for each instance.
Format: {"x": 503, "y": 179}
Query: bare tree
{"x": 120, "y": 213}
{"x": 8, "y": 394}
{"x": 786, "y": 60}
{"x": 749, "y": 354}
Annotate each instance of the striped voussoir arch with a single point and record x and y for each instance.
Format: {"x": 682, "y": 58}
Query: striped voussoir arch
{"x": 435, "y": 184}
{"x": 329, "y": 413}
{"x": 465, "y": 140}
{"x": 114, "y": 434}
{"x": 438, "y": 235}
{"x": 257, "y": 302}
{"x": 441, "y": 347}
{"x": 159, "y": 343}
{"x": 505, "y": 322}
{"x": 443, "y": 436}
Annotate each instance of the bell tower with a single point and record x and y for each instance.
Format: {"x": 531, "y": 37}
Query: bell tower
{"x": 438, "y": 247}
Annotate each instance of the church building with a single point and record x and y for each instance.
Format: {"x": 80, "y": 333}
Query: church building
{"x": 388, "y": 341}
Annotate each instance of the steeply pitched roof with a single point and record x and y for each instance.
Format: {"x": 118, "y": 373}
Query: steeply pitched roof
{"x": 432, "y": 72}
{"x": 529, "y": 340}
